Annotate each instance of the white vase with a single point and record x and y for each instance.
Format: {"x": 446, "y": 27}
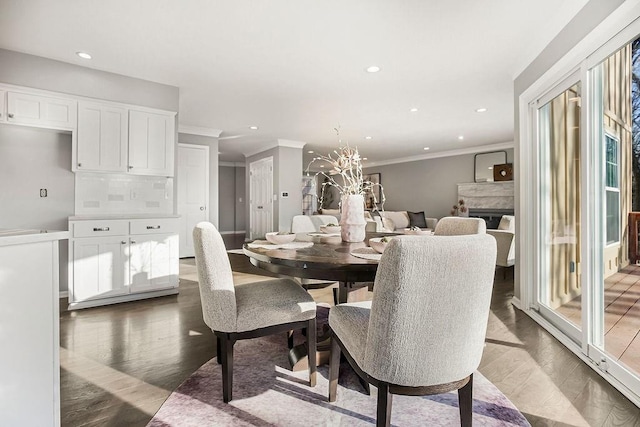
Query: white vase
{"x": 352, "y": 222}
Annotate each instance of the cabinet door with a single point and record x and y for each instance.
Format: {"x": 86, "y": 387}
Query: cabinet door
{"x": 41, "y": 111}
{"x": 98, "y": 268}
{"x": 153, "y": 262}
{"x": 102, "y": 138}
{"x": 3, "y": 106}
{"x": 151, "y": 143}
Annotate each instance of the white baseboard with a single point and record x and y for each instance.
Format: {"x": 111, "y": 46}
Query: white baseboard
{"x": 64, "y": 294}
{"x": 234, "y": 232}
{"x": 516, "y": 303}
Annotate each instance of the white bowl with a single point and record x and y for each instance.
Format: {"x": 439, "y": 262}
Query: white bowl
{"x": 279, "y": 239}
{"x": 334, "y": 229}
{"x": 377, "y": 244}
{"x": 423, "y": 231}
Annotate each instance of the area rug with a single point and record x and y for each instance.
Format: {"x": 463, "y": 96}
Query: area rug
{"x": 267, "y": 393}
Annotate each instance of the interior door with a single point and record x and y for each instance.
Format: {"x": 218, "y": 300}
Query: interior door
{"x": 260, "y": 197}
{"x": 193, "y": 192}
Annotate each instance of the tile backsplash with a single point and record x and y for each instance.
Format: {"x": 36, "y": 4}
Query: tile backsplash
{"x": 102, "y": 193}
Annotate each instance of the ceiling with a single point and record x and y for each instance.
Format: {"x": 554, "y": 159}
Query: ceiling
{"x": 297, "y": 68}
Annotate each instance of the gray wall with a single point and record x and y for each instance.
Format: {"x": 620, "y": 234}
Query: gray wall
{"x": 287, "y": 177}
{"x": 426, "y": 185}
{"x": 42, "y": 73}
{"x": 592, "y": 14}
{"x": 232, "y": 198}
{"x": 212, "y": 143}
{"x": 31, "y": 159}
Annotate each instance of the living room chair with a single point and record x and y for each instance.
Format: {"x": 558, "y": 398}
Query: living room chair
{"x": 248, "y": 310}
{"x": 423, "y": 333}
{"x": 505, "y": 238}
{"x": 456, "y": 226}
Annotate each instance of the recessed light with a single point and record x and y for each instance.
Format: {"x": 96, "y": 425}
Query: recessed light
{"x": 310, "y": 151}
{"x": 321, "y": 166}
{"x": 461, "y": 137}
{"x": 364, "y": 158}
{"x": 367, "y": 137}
{"x": 83, "y": 55}
{"x": 481, "y": 110}
{"x": 373, "y": 69}
{"x": 414, "y": 110}
{"x": 426, "y": 148}
{"x": 253, "y": 127}
{"x": 490, "y": 167}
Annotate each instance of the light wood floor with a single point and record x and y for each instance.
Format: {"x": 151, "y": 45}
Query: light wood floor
{"x": 622, "y": 316}
{"x": 119, "y": 363}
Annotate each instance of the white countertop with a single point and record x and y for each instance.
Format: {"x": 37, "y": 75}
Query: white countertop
{"x": 121, "y": 216}
{"x": 18, "y": 236}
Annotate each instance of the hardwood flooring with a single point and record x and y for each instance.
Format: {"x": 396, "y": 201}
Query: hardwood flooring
{"x": 119, "y": 363}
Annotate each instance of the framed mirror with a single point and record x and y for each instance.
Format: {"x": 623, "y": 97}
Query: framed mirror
{"x": 483, "y": 164}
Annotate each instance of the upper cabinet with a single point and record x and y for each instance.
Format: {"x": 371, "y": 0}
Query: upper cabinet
{"x": 151, "y": 143}
{"x": 41, "y": 111}
{"x": 102, "y": 138}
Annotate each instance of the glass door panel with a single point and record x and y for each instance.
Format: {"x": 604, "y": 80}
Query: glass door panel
{"x": 560, "y": 292}
{"x": 615, "y": 343}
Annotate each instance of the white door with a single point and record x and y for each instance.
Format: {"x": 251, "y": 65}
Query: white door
{"x": 260, "y": 197}
{"x": 193, "y": 192}
{"x": 102, "y": 138}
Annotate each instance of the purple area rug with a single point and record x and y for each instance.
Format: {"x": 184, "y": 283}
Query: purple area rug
{"x": 267, "y": 393}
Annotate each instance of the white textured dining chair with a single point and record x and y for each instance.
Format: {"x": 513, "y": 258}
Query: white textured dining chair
{"x": 248, "y": 310}
{"x": 423, "y": 333}
{"x": 456, "y": 226}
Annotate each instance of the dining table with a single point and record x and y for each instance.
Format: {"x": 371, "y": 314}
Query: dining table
{"x": 323, "y": 257}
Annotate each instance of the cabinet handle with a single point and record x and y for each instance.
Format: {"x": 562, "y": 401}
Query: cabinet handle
{"x": 101, "y": 229}
{"x": 130, "y": 167}
{"x": 10, "y": 115}
{"x": 153, "y": 227}
{"x": 133, "y": 242}
{"x": 201, "y": 208}
{"x": 79, "y": 165}
{"x": 124, "y": 242}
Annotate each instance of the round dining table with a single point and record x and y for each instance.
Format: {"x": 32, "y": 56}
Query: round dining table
{"x": 329, "y": 258}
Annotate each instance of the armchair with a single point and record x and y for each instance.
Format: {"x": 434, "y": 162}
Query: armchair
{"x": 505, "y": 239}
{"x": 423, "y": 333}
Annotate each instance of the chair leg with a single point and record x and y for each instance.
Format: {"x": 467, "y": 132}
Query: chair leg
{"x": 218, "y": 350}
{"x": 334, "y": 369}
{"x": 290, "y": 339}
{"x": 311, "y": 351}
{"x": 465, "y": 403}
{"x": 383, "y": 413}
{"x": 227, "y": 368}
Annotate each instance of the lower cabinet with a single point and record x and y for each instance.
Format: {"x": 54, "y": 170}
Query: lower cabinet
{"x": 122, "y": 260}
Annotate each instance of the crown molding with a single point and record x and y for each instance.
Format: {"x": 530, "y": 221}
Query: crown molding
{"x": 233, "y": 164}
{"x": 199, "y": 130}
{"x": 457, "y": 152}
{"x": 277, "y": 143}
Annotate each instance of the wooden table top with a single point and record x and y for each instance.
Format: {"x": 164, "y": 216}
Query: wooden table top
{"x": 329, "y": 261}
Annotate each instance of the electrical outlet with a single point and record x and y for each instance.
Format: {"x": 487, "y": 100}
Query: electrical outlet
{"x": 43, "y": 192}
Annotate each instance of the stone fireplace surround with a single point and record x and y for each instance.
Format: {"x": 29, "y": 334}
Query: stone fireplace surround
{"x": 488, "y": 200}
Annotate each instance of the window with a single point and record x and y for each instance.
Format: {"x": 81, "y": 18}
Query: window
{"x": 612, "y": 189}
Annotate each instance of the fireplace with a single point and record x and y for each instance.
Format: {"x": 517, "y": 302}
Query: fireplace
{"x": 491, "y": 216}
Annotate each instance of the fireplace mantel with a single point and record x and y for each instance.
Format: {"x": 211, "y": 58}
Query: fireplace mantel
{"x": 487, "y": 195}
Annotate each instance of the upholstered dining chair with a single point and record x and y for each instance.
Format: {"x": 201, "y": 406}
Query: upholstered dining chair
{"x": 456, "y": 226}
{"x": 248, "y": 310}
{"x": 423, "y": 332}
{"x": 505, "y": 238}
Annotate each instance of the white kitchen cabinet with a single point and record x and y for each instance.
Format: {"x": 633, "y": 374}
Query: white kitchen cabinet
{"x": 3, "y": 106}
{"x": 29, "y": 328}
{"x": 102, "y": 138}
{"x": 117, "y": 260}
{"x": 99, "y": 268}
{"x": 41, "y": 111}
{"x": 151, "y": 143}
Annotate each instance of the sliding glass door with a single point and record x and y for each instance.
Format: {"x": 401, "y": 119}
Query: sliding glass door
{"x": 559, "y": 295}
